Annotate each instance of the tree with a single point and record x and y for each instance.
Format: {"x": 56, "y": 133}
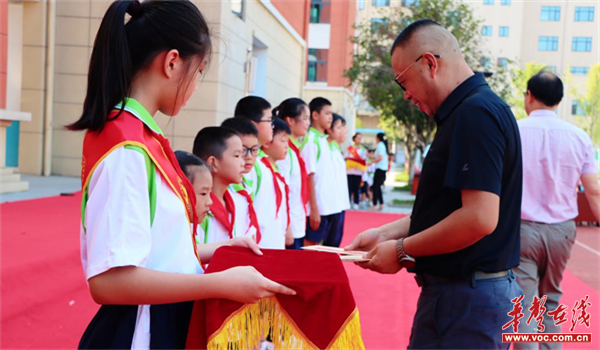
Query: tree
{"x": 371, "y": 70}
{"x": 520, "y": 77}
{"x": 589, "y": 102}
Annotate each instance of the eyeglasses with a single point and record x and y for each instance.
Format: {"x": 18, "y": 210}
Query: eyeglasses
{"x": 253, "y": 151}
{"x": 407, "y": 68}
{"x": 268, "y": 120}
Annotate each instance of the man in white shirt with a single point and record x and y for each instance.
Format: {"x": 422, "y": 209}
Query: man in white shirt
{"x": 556, "y": 156}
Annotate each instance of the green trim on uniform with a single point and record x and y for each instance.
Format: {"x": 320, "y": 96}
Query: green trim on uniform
{"x": 151, "y": 172}
{"x": 204, "y": 227}
{"x": 134, "y": 107}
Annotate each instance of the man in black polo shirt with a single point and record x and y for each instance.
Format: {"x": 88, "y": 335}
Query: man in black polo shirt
{"x": 463, "y": 236}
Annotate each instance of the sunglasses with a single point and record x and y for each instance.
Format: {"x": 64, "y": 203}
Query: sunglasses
{"x": 407, "y": 68}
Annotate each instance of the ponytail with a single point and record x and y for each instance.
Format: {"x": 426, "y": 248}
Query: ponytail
{"x": 122, "y": 50}
{"x": 292, "y": 108}
{"x": 381, "y": 137}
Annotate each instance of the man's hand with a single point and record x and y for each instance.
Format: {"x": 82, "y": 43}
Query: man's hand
{"x": 383, "y": 258}
{"x": 367, "y": 240}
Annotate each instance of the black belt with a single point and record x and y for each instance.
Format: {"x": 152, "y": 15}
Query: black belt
{"x": 426, "y": 279}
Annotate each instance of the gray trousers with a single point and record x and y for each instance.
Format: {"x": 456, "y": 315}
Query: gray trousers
{"x": 545, "y": 251}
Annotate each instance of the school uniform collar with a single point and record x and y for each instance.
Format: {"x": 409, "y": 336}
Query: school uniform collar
{"x": 334, "y": 146}
{"x": 316, "y": 132}
{"x": 295, "y": 142}
{"x": 261, "y": 153}
{"x": 134, "y": 107}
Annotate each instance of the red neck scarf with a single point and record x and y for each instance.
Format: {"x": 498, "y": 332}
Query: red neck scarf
{"x": 251, "y": 213}
{"x": 355, "y": 156}
{"x": 278, "y": 194}
{"x": 305, "y": 189}
{"x": 221, "y": 212}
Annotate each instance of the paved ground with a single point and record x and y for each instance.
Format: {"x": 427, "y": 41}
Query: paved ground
{"x": 43, "y": 186}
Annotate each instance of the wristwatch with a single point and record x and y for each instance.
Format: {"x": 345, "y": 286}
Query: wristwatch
{"x": 405, "y": 260}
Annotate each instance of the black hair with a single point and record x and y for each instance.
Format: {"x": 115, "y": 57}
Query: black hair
{"x": 406, "y": 35}
{"x": 546, "y": 87}
{"x": 121, "y": 51}
{"x": 242, "y": 125}
{"x": 292, "y": 107}
{"x": 251, "y": 107}
{"x": 212, "y": 141}
{"x": 381, "y": 137}
{"x": 337, "y": 117}
{"x": 356, "y": 135}
{"x": 317, "y": 104}
{"x": 279, "y": 126}
{"x": 187, "y": 161}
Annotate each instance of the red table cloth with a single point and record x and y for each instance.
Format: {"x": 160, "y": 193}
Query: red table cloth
{"x": 323, "y": 314}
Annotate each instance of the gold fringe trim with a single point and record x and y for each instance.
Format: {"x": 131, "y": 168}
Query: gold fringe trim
{"x": 250, "y": 325}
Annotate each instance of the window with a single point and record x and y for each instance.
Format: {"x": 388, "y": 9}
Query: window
{"x": 503, "y": 31}
{"x": 584, "y": 13}
{"x": 550, "y": 13}
{"x": 486, "y": 30}
{"x": 550, "y": 69}
{"x": 579, "y": 70}
{"x": 581, "y": 44}
{"x": 361, "y": 4}
{"x": 505, "y": 2}
{"x": 320, "y": 11}
{"x": 485, "y": 61}
{"x": 577, "y": 109}
{"x": 237, "y": 7}
{"x": 502, "y": 61}
{"x": 317, "y": 65}
{"x": 488, "y": 2}
{"x": 548, "y": 43}
{"x": 381, "y": 3}
{"x": 377, "y": 24}
{"x": 411, "y": 3}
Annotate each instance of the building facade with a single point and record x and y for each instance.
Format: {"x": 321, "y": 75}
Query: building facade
{"x": 256, "y": 51}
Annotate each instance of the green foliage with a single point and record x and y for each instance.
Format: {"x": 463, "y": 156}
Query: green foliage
{"x": 371, "y": 69}
{"x": 590, "y": 102}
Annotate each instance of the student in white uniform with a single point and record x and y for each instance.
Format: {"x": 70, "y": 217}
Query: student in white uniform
{"x": 258, "y": 111}
{"x": 245, "y": 211}
{"x": 295, "y": 113}
{"x": 137, "y": 248}
{"x": 221, "y": 148}
{"x": 337, "y": 135}
{"x": 319, "y": 166}
{"x": 277, "y": 234}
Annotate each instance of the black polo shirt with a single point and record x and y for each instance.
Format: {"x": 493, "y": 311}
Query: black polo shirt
{"x": 477, "y": 146}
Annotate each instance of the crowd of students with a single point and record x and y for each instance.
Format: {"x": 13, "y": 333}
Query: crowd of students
{"x": 277, "y": 175}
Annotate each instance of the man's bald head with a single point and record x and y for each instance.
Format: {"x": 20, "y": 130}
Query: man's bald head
{"x": 426, "y": 36}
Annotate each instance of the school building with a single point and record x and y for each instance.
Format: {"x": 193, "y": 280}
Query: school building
{"x": 261, "y": 47}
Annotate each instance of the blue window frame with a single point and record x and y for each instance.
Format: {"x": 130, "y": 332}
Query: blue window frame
{"x": 377, "y": 24}
{"x": 488, "y": 2}
{"x": 584, "y": 13}
{"x": 505, "y": 2}
{"x": 411, "y": 3}
{"x": 485, "y": 61}
{"x": 550, "y": 69}
{"x": 380, "y": 3}
{"x": 502, "y": 61}
{"x": 486, "y": 30}
{"x": 503, "y": 31}
{"x": 576, "y": 109}
{"x": 550, "y": 13}
{"x": 579, "y": 70}
{"x": 361, "y": 4}
{"x": 581, "y": 44}
{"x": 548, "y": 43}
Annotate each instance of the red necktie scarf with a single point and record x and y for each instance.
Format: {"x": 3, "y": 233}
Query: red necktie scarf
{"x": 251, "y": 213}
{"x": 305, "y": 189}
{"x": 221, "y": 212}
{"x": 278, "y": 194}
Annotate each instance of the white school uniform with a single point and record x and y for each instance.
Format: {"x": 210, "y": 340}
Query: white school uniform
{"x": 340, "y": 191}
{"x": 243, "y": 225}
{"x": 290, "y": 169}
{"x": 118, "y": 230}
{"x": 273, "y": 222}
{"x": 318, "y": 159}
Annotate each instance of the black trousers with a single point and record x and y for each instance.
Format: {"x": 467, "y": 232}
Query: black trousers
{"x": 354, "y": 187}
{"x": 378, "y": 181}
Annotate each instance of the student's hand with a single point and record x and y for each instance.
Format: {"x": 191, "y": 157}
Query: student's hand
{"x": 245, "y": 284}
{"x": 289, "y": 237}
{"x": 315, "y": 220}
{"x": 366, "y": 240}
{"x": 246, "y": 242}
{"x": 384, "y": 258}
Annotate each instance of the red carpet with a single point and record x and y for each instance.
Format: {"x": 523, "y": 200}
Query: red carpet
{"x": 45, "y": 302}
